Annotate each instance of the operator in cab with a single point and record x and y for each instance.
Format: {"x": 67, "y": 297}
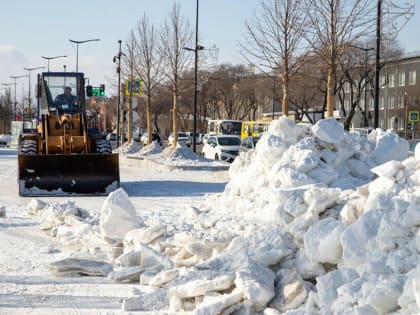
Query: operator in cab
{"x": 66, "y": 100}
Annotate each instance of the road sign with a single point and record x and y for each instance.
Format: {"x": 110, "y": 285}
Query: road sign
{"x": 413, "y": 116}
{"x": 96, "y": 91}
{"x": 135, "y": 86}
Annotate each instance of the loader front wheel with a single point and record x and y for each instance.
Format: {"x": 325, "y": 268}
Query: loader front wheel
{"x": 103, "y": 146}
{"x": 29, "y": 147}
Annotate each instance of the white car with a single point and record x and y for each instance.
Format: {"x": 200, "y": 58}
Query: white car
{"x": 222, "y": 147}
{"x": 198, "y": 137}
{"x": 5, "y": 140}
{"x": 182, "y": 137}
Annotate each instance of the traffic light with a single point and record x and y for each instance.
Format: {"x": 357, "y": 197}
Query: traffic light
{"x": 89, "y": 91}
{"x": 102, "y": 90}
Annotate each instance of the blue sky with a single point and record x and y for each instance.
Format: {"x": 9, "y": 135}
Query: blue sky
{"x": 31, "y": 29}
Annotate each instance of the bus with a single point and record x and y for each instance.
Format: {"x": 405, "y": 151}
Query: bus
{"x": 254, "y": 128}
{"x": 224, "y": 127}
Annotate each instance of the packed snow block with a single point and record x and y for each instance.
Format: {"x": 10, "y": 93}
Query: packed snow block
{"x": 325, "y": 175}
{"x": 407, "y": 299}
{"x": 322, "y": 241}
{"x": 390, "y": 147}
{"x": 359, "y": 169}
{"x": 134, "y": 303}
{"x": 53, "y": 214}
{"x": 202, "y": 286}
{"x": 213, "y": 305}
{"x": 286, "y": 129}
{"x": 328, "y": 284}
{"x": 319, "y": 199}
{"x": 303, "y": 157}
{"x": 412, "y": 216}
{"x": 35, "y": 205}
{"x": 384, "y": 295}
{"x": 417, "y": 152}
{"x": 308, "y": 269}
{"x": 388, "y": 169}
{"x": 145, "y": 257}
{"x": 287, "y": 177}
{"x": 126, "y": 274}
{"x": 360, "y": 310}
{"x": 416, "y": 289}
{"x": 80, "y": 267}
{"x": 290, "y": 290}
{"x": 144, "y": 235}
{"x": 357, "y": 237}
{"x": 118, "y": 216}
{"x": 270, "y": 147}
{"x": 329, "y": 131}
{"x": 257, "y": 284}
{"x": 163, "y": 277}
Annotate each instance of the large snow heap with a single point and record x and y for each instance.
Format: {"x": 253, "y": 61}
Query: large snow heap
{"x": 314, "y": 221}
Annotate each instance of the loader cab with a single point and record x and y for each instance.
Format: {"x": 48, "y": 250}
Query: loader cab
{"x": 54, "y": 92}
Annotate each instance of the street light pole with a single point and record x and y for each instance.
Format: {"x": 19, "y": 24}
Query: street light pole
{"x": 15, "y": 78}
{"x": 50, "y": 58}
{"x": 195, "y": 50}
{"x": 29, "y": 93}
{"x": 377, "y": 63}
{"x": 120, "y": 53}
{"x": 77, "y": 42}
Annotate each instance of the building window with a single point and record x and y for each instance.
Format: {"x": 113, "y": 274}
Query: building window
{"x": 381, "y": 102}
{"x": 347, "y": 105}
{"x": 371, "y": 104}
{"x": 390, "y": 124}
{"x": 400, "y": 123}
{"x": 381, "y": 123}
{"x": 402, "y": 101}
{"x": 382, "y": 81}
{"x": 346, "y": 87}
{"x": 401, "y": 79}
{"x": 362, "y": 103}
{"x": 391, "y": 80}
{"x": 412, "y": 77}
{"x": 391, "y": 102}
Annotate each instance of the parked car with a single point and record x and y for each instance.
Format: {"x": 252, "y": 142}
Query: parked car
{"x": 249, "y": 143}
{"x": 222, "y": 147}
{"x": 205, "y": 138}
{"x": 5, "y": 140}
{"x": 182, "y": 137}
{"x": 198, "y": 137}
{"x": 155, "y": 137}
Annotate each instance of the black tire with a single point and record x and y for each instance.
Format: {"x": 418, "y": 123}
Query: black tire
{"x": 29, "y": 147}
{"x": 103, "y": 146}
{"x": 216, "y": 157}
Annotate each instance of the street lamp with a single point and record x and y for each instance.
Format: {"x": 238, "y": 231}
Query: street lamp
{"x": 366, "y": 50}
{"x": 119, "y": 89}
{"x": 29, "y": 75}
{"x": 195, "y": 50}
{"x": 77, "y": 42}
{"x": 49, "y": 58}
{"x": 15, "y": 78}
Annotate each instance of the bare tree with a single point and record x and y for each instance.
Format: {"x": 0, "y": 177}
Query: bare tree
{"x": 334, "y": 23}
{"x": 148, "y": 65}
{"x": 175, "y": 35}
{"x": 274, "y": 37}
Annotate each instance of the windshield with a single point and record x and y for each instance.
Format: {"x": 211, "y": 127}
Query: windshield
{"x": 231, "y": 128}
{"x": 229, "y": 141}
{"x": 182, "y": 135}
{"x": 63, "y": 91}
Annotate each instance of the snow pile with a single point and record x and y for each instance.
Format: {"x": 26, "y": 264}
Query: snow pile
{"x": 181, "y": 152}
{"x": 150, "y": 149}
{"x": 129, "y": 148}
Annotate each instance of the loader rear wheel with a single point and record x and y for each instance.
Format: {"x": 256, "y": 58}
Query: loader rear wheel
{"x": 103, "y": 146}
{"x": 29, "y": 147}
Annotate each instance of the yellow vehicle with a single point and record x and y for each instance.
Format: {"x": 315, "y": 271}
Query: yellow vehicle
{"x": 254, "y": 128}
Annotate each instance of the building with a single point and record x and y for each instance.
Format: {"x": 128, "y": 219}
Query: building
{"x": 399, "y": 98}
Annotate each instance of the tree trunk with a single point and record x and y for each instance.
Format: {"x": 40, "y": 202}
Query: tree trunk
{"x": 130, "y": 118}
{"x": 149, "y": 118}
{"x": 175, "y": 120}
{"x": 330, "y": 91}
{"x": 285, "y": 99}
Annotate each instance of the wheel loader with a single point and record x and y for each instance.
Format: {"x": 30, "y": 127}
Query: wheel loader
{"x": 57, "y": 154}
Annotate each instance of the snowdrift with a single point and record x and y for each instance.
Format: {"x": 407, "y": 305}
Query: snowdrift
{"x": 314, "y": 221}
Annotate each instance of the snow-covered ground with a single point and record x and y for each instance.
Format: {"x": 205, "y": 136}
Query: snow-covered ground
{"x": 26, "y": 284}
{"x": 314, "y": 221}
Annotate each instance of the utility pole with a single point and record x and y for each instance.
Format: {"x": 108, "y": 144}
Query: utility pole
{"x": 377, "y": 64}
{"x": 119, "y": 90}
{"x": 50, "y": 58}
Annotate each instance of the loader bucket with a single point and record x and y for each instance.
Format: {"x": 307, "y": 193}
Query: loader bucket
{"x": 65, "y": 174}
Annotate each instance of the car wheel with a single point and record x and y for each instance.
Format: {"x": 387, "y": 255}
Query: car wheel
{"x": 216, "y": 157}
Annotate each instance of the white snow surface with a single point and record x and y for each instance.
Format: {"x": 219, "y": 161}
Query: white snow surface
{"x": 309, "y": 223}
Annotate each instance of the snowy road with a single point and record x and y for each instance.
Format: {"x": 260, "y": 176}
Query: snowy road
{"x": 26, "y": 285}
